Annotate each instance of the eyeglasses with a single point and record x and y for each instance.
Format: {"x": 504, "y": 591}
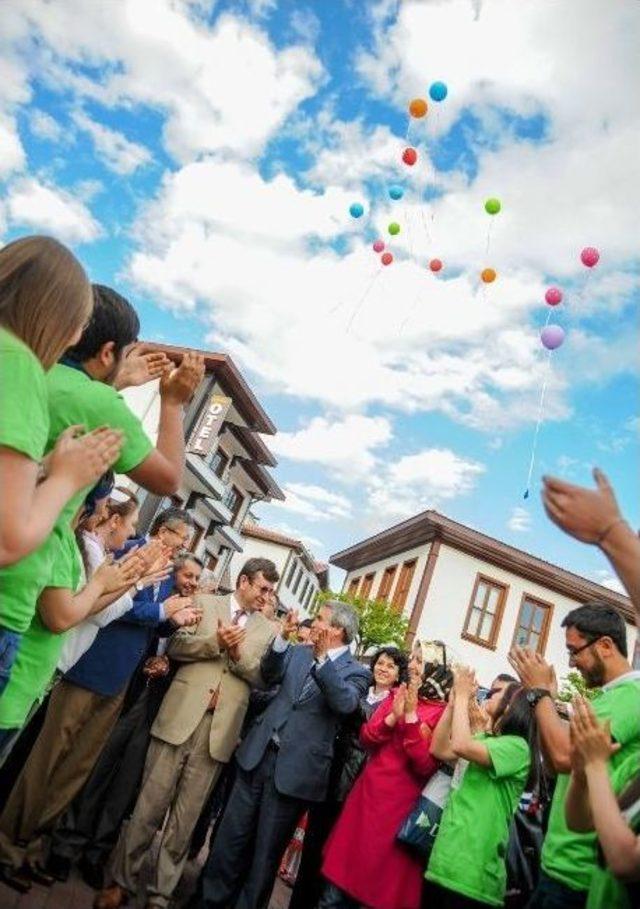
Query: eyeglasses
{"x": 264, "y": 590}
{"x": 574, "y": 651}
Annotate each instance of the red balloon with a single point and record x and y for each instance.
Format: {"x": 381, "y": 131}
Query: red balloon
{"x": 386, "y": 258}
{"x": 410, "y": 156}
{"x": 435, "y": 265}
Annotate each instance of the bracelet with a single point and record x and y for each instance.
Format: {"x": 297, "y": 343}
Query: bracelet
{"x": 609, "y": 528}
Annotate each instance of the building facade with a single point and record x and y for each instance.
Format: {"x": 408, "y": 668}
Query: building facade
{"x": 474, "y": 593}
{"x": 301, "y": 576}
{"x": 227, "y": 462}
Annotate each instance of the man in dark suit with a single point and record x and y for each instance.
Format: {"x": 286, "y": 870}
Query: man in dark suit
{"x": 285, "y": 758}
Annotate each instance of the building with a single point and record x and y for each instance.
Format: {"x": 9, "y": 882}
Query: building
{"x": 478, "y": 595}
{"x": 227, "y": 462}
{"x": 301, "y": 576}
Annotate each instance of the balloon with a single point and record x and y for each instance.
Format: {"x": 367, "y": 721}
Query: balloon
{"x": 438, "y": 91}
{"x": 488, "y": 275}
{"x": 492, "y": 206}
{"x": 394, "y": 228}
{"x": 356, "y": 210}
{"x": 589, "y": 256}
{"x": 386, "y": 258}
{"x": 418, "y": 108}
{"x": 552, "y": 336}
{"x": 396, "y": 192}
{"x": 435, "y": 265}
{"x": 378, "y": 246}
{"x": 410, "y": 156}
{"x": 553, "y": 296}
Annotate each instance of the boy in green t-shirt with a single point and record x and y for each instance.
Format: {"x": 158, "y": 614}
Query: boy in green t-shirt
{"x": 596, "y": 641}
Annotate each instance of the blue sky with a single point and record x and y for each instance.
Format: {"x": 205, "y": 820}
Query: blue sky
{"x": 203, "y": 161}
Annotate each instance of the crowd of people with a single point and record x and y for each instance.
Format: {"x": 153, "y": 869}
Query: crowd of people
{"x": 144, "y": 718}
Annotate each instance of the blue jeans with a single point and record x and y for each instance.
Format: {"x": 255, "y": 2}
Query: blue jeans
{"x": 9, "y": 643}
{"x": 553, "y": 894}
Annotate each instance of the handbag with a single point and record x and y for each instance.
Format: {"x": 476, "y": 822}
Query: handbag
{"x": 419, "y": 829}
{"x": 524, "y": 848}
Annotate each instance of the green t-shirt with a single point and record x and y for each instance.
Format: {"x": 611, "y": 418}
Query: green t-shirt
{"x": 606, "y": 891}
{"x": 39, "y": 649}
{"x": 469, "y": 852}
{"x": 24, "y": 427}
{"x": 571, "y": 857}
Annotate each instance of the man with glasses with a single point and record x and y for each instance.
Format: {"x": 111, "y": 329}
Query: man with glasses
{"x": 195, "y": 732}
{"x": 596, "y": 642}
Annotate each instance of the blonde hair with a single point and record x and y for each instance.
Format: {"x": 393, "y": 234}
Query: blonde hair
{"x": 45, "y": 295}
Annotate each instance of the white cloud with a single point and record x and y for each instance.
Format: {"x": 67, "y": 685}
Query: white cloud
{"x": 520, "y": 520}
{"x": 12, "y": 156}
{"x": 313, "y": 544}
{"x": 314, "y": 502}
{"x": 342, "y": 445}
{"x": 33, "y": 204}
{"x": 607, "y": 579}
{"x": 44, "y": 126}
{"x": 118, "y": 153}
{"x": 305, "y": 25}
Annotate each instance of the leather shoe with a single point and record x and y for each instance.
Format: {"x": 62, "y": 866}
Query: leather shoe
{"x": 16, "y": 878}
{"x": 111, "y": 898}
{"x": 91, "y": 874}
{"x": 58, "y": 866}
{"x": 39, "y": 875}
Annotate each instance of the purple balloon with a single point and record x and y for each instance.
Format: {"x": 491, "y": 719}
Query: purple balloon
{"x": 552, "y": 336}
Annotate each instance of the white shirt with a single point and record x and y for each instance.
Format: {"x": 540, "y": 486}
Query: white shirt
{"x": 234, "y": 606}
{"x": 280, "y": 645}
{"x": 79, "y": 639}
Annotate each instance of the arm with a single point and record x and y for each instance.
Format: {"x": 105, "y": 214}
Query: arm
{"x": 577, "y": 810}
{"x": 380, "y": 726}
{"x": 416, "y": 741}
{"x": 247, "y": 666}
{"x": 273, "y": 664}
{"x": 342, "y": 694}
{"x": 619, "y": 843}
{"x": 188, "y": 645}
{"x": 441, "y": 738}
{"x": 463, "y": 744}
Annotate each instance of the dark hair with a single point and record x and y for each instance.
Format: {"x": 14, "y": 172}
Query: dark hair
{"x": 121, "y": 508}
{"x": 305, "y": 623}
{"x": 505, "y": 677}
{"x": 186, "y": 556}
{"x": 516, "y": 716}
{"x": 437, "y": 682}
{"x": 252, "y": 567}
{"x": 113, "y": 319}
{"x": 170, "y": 515}
{"x": 399, "y": 658}
{"x": 597, "y": 620}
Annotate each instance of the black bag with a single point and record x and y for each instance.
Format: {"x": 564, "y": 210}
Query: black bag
{"x": 419, "y": 829}
{"x": 524, "y": 849}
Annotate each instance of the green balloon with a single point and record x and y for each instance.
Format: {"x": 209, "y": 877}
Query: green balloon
{"x": 394, "y": 228}
{"x": 492, "y": 206}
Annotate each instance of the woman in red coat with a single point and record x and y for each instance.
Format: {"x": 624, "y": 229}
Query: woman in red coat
{"x": 363, "y": 858}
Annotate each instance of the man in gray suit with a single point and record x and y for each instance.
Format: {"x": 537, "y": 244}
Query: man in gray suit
{"x": 285, "y": 758}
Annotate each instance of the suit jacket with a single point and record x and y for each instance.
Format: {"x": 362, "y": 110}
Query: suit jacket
{"x": 306, "y": 726}
{"x": 204, "y": 669}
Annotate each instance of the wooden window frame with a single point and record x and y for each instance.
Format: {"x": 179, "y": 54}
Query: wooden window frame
{"x": 352, "y": 587}
{"x": 408, "y": 568}
{"x": 291, "y": 573}
{"x": 390, "y": 571}
{"x": 294, "y": 589}
{"x": 303, "y": 592}
{"x": 367, "y": 584}
{"x": 492, "y": 642}
{"x": 546, "y": 625}
{"x": 198, "y": 532}
{"x": 220, "y": 468}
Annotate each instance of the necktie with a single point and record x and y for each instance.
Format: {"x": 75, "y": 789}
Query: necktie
{"x": 308, "y": 686}
{"x": 239, "y": 613}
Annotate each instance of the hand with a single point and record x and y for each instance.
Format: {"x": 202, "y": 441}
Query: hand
{"x": 187, "y": 616}
{"x": 464, "y": 682}
{"x": 142, "y": 364}
{"x": 532, "y": 670}
{"x": 585, "y": 514}
{"x": 321, "y": 642}
{"x": 174, "y": 604}
{"x": 83, "y": 459}
{"x": 230, "y": 637}
{"x": 155, "y": 556}
{"x": 411, "y": 700}
{"x": 478, "y": 717}
{"x": 290, "y": 625}
{"x": 148, "y": 580}
{"x": 591, "y": 739}
{"x": 156, "y": 666}
{"x": 113, "y": 576}
{"x": 177, "y": 385}
{"x": 399, "y": 701}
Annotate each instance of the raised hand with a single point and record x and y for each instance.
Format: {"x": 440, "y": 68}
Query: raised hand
{"x": 586, "y": 514}
{"x": 399, "y": 701}
{"x": 155, "y": 556}
{"x": 591, "y": 740}
{"x": 290, "y": 625}
{"x": 320, "y": 642}
{"x": 113, "y": 576}
{"x": 478, "y": 716}
{"x": 174, "y": 604}
{"x": 187, "y": 616}
{"x": 82, "y": 459}
{"x": 142, "y": 364}
{"x": 177, "y": 385}
{"x": 411, "y": 700}
{"x": 230, "y": 637}
{"x": 533, "y": 670}
{"x": 464, "y": 682}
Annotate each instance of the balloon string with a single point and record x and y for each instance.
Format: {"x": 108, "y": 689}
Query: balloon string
{"x": 489, "y": 236}
{"x": 538, "y": 425}
{"x": 342, "y": 303}
{"x": 362, "y": 298}
{"x": 408, "y": 315}
{"x": 426, "y": 228}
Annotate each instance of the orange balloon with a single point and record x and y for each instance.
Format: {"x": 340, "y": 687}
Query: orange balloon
{"x": 488, "y": 275}
{"x": 418, "y": 108}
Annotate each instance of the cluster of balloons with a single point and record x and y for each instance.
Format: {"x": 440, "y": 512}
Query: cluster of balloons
{"x": 552, "y": 336}
{"x": 418, "y": 107}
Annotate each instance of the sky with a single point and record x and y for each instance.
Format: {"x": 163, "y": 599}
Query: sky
{"x": 202, "y": 156}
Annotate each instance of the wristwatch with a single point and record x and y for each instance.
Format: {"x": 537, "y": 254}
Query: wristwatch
{"x": 535, "y": 695}
{"x": 139, "y": 586}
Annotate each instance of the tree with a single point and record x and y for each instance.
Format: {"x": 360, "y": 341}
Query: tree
{"x": 572, "y": 685}
{"x": 380, "y": 622}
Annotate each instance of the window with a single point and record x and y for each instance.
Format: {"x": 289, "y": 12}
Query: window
{"x": 403, "y": 585}
{"x": 387, "y": 582}
{"x": 212, "y": 562}
{"x": 218, "y": 462}
{"x": 532, "y": 627}
{"x": 367, "y": 584}
{"x": 484, "y": 614}
{"x": 198, "y": 533}
{"x": 291, "y": 574}
{"x": 233, "y": 500}
{"x": 310, "y": 594}
{"x": 305, "y": 587}
{"x": 298, "y": 579}
{"x": 352, "y": 589}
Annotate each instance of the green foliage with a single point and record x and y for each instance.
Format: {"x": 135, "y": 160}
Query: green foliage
{"x": 572, "y": 685}
{"x": 380, "y": 623}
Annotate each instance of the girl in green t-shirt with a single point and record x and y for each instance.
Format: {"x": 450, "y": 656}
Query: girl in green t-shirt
{"x": 467, "y": 863}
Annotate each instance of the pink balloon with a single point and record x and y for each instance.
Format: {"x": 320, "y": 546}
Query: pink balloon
{"x": 552, "y": 336}
{"x": 378, "y": 246}
{"x": 589, "y": 256}
{"x": 553, "y": 296}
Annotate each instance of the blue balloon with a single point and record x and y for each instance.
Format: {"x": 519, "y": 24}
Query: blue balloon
{"x": 396, "y": 192}
{"x": 356, "y": 210}
{"x": 438, "y": 91}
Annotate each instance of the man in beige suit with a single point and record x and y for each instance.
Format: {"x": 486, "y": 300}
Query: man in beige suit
{"x": 195, "y": 732}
